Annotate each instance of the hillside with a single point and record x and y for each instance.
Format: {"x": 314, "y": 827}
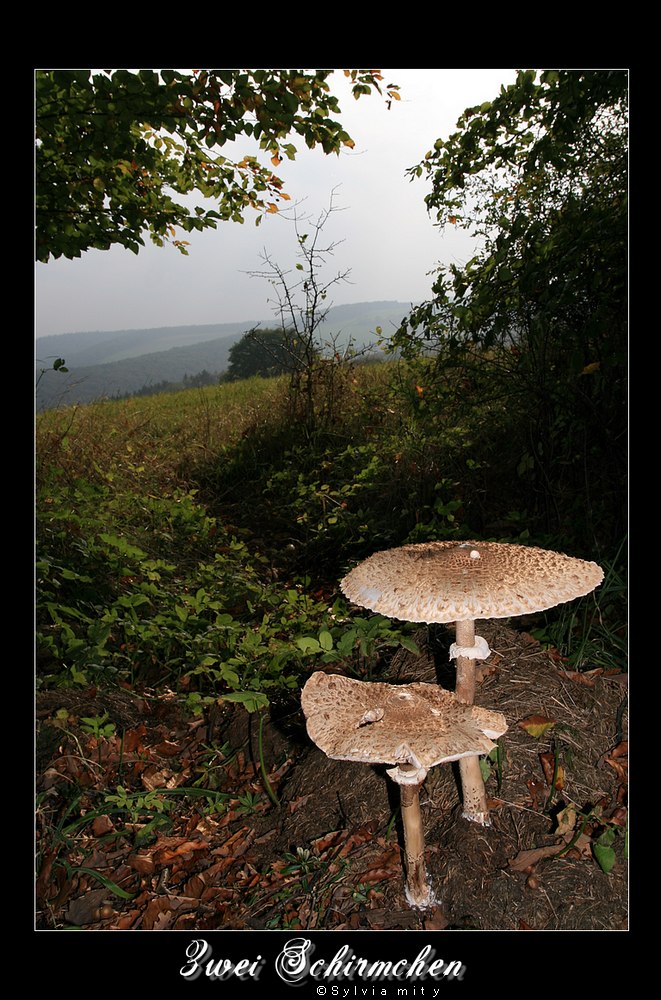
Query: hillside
{"x": 105, "y": 364}
{"x": 102, "y": 347}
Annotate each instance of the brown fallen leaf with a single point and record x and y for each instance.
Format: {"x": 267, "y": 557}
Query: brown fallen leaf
{"x": 177, "y": 848}
{"x": 524, "y": 859}
{"x": 548, "y": 766}
{"x": 84, "y": 909}
{"x": 166, "y": 749}
{"x": 587, "y": 677}
{"x": 102, "y": 825}
{"x": 143, "y": 863}
{"x": 388, "y": 864}
{"x": 436, "y": 921}
{"x": 161, "y": 911}
{"x": 154, "y": 777}
{"x": 133, "y": 739}
{"x": 322, "y": 844}
{"x": 620, "y": 768}
{"x": 237, "y": 845}
{"x": 485, "y": 670}
{"x": 360, "y": 836}
{"x": 298, "y": 803}
{"x": 538, "y": 792}
{"x": 618, "y": 816}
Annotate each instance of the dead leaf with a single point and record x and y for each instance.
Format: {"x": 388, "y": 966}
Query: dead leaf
{"x": 525, "y": 859}
{"x": 161, "y": 911}
{"x": 170, "y": 848}
{"x": 155, "y": 777}
{"x": 619, "y": 766}
{"x": 84, "y": 909}
{"x": 143, "y": 864}
{"x": 194, "y": 887}
{"x": 588, "y": 677}
{"x": 102, "y": 825}
{"x": 237, "y": 844}
{"x": 549, "y": 768}
{"x": 298, "y": 803}
{"x": 133, "y": 739}
{"x": 538, "y": 792}
{"x": 167, "y": 749}
{"x": 322, "y": 844}
{"x": 566, "y": 820}
{"x": 485, "y": 670}
{"x": 536, "y": 725}
{"x": 618, "y": 816}
{"x": 436, "y": 921}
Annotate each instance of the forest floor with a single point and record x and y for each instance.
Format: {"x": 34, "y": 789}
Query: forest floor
{"x": 149, "y": 818}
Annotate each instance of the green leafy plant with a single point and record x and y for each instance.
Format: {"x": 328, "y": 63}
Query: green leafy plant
{"x": 493, "y": 763}
{"x": 98, "y": 726}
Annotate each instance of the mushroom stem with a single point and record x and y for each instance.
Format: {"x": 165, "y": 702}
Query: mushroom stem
{"x": 418, "y": 890}
{"x": 474, "y": 793}
{"x": 465, "y": 684}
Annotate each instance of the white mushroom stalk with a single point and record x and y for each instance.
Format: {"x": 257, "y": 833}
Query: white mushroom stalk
{"x": 461, "y": 582}
{"x": 411, "y": 726}
{"x": 418, "y": 888}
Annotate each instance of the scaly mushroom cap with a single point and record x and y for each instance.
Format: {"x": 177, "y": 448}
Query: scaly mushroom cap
{"x": 451, "y": 581}
{"x": 376, "y": 723}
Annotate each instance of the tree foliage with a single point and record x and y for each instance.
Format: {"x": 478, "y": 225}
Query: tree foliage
{"x": 115, "y": 149}
{"x": 540, "y": 176}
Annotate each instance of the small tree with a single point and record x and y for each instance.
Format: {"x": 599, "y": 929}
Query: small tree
{"x": 302, "y": 305}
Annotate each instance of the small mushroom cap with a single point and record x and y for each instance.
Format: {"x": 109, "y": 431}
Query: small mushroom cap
{"x": 451, "y": 581}
{"x": 395, "y": 724}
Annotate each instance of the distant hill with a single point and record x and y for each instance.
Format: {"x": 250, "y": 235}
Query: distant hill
{"x": 103, "y": 347}
{"x": 106, "y": 364}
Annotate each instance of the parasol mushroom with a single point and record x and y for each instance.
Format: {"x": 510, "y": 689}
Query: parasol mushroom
{"x": 411, "y": 726}
{"x": 460, "y": 582}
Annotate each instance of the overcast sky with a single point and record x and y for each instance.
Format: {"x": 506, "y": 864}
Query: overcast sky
{"x": 384, "y": 235}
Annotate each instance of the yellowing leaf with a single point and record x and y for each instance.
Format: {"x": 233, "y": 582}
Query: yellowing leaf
{"x": 452, "y": 219}
{"x": 566, "y": 820}
{"x": 275, "y": 160}
{"x": 350, "y": 143}
{"x": 394, "y": 95}
{"x": 272, "y": 208}
{"x": 591, "y": 369}
{"x": 284, "y": 196}
{"x": 536, "y": 725}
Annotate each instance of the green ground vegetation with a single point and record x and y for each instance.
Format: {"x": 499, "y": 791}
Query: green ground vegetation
{"x": 196, "y": 540}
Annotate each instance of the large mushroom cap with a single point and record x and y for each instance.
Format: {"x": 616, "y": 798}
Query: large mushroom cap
{"x": 452, "y": 581}
{"x": 395, "y": 724}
